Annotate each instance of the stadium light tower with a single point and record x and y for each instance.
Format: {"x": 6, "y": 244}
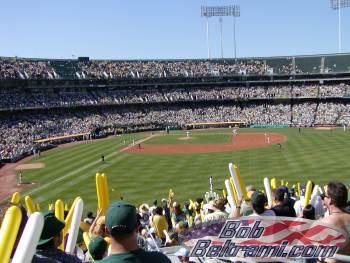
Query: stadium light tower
{"x": 221, "y": 38}
{"x": 236, "y": 13}
{"x": 338, "y": 5}
{"x": 220, "y": 11}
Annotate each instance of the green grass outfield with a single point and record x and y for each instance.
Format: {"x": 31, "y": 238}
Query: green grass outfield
{"x": 70, "y": 172}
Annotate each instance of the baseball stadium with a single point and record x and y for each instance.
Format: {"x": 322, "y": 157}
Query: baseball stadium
{"x": 89, "y": 146}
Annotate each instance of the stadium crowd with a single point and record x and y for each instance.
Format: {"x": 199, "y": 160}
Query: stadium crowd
{"x": 26, "y": 69}
{"x": 14, "y": 100}
{"x": 147, "y": 232}
{"x": 160, "y": 69}
{"x": 18, "y": 68}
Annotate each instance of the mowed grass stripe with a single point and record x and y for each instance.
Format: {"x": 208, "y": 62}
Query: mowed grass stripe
{"x": 85, "y": 178}
{"x": 73, "y": 161}
{"x": 78, "y": 150}
{"x": 66, "y": 176}
{"x": 62, "y": 153}
{"x": 69, "y": 164}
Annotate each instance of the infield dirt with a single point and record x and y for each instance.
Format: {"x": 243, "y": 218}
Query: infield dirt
{"x": 238, "y": 142}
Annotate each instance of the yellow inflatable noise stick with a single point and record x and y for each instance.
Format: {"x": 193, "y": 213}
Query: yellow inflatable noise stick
{"x": 230, "y": 197}
{"x": 105, "y": 190}
{"x": 171, "y": 194}
{"x": 234, "y": 192}
{"x": 16, "y": 197}
{"x": 273, "y": 183}
{"x": 268, "y": 191}
{"x": 224, "y": 193}
{"x": 102, "y": 192}
{"x": 29, "y": 204}
{"x": 87, "y": 239}
{"x": 8, "y": 232}
{"x": 202, "y": 215}
{"x": 241, "y": 181}
{"x": 190, "y": 221}
{"x": 308, "y": 192}
{"x": 238, "y": 181}
{"x": 99, "y": 192}
{"x": 192, "y": 205}
{"x": 59, "y": 213}
{"x": 69, "y": 217}
{"x": 298, "y": 189}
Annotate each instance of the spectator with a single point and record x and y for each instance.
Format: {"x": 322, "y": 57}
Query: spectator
{"x": 184, "y": 255}
{"x": 50, "y": 239}
{"x": 281, "y": 208}
{"x": 98, "y": 248}
{"x": 177, "y": 215}
{"x": 121, "y": 224}
{"x": 144, "y": 215}
{"x": 309, "y": 212}
{"x": 97, "y": 227}
{"x": 335, "y": 199}
{"x": 159, "y": 223}
{"x": 89, "y": 218}
{"x": 216, "y": 211}
{"x": 153, "y": 241}
{"x": 167, "y": 213}
{"x": 259, "y": 202}
{"x": 153, "y": 207}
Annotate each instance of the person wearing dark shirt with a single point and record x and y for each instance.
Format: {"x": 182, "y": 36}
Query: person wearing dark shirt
{"x": 282, "y": 207}
{"x": 50, "y": 239}
{"x": 121, "y": 224}
{"x": 309, "y": 212}
{"x": 287, "y": 196}
{"x": 98, "y": 248}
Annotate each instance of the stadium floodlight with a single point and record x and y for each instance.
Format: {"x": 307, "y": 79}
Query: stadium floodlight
{"x": 221, "y": 38}
{"x": 220, "y": 11}
{"x": 236, "y": 13}
{"x": 338, "y": 5}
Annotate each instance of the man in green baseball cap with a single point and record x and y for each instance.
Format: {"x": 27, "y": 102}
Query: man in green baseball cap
{"x": 98, "y": 248}
{"x": 121, "y": 223}
{"x": 52, "y": 230}
{"x": 50, "y": 239}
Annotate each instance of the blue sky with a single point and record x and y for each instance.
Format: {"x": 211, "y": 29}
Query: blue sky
{"x": 151, "y": 29}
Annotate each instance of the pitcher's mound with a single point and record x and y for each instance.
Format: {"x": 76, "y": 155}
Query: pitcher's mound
{"x": 185, "y": 138}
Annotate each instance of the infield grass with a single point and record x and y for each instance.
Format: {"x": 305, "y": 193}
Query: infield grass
{"x": 314, "y": 154}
